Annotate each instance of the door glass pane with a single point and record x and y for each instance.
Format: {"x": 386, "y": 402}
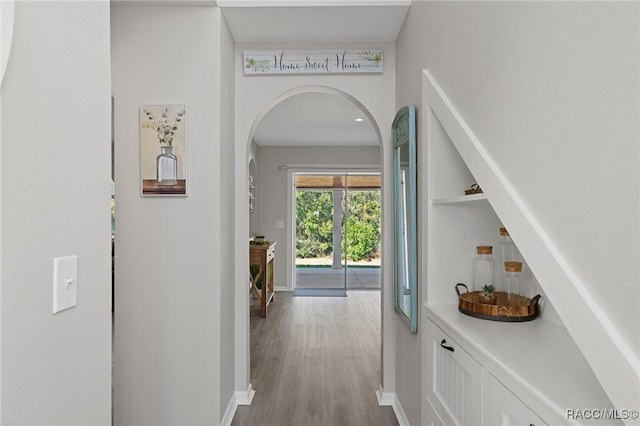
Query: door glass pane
{"x": 314, "y": 240}
{"x": 362, "y": 242}
{"x": 338, "y": 231}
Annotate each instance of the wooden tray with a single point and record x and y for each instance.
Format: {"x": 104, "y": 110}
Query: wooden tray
{"x": 514, "y": 309}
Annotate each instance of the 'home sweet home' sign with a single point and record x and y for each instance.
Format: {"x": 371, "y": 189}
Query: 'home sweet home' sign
{"x": 330, "y": 61}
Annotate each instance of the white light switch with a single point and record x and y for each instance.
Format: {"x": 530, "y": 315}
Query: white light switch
{"x": 280, "y": 224}
{"x": 65, "y": 283}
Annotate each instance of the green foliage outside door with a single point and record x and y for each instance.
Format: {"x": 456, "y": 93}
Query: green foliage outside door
{"x": 314, "y": 224}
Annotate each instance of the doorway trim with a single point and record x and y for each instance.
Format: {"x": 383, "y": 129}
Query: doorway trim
{"x": 243, "y": 388}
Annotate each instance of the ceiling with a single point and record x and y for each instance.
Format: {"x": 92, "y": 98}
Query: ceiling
{"x": 314, "y": 21}
{"x": 315, "y": 119}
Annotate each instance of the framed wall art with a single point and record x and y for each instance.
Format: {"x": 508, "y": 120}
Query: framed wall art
{"x": 163, "y": 150}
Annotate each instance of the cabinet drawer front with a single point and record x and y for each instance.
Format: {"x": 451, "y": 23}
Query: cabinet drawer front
{"x": 454, "y": 379}
{"x": 503, "y": 408}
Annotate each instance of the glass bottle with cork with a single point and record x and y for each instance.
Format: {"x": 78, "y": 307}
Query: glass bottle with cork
{"x": 513, "y": 281}
{"x": 508, "y": 253}
{"x": 483, "y": 267}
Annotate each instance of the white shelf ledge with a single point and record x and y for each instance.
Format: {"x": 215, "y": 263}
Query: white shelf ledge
{"x": 539, "y": 355}
{"x": 460, "y": 199}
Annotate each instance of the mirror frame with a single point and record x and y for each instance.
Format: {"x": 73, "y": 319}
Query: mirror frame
{"x": 404, "y": 133}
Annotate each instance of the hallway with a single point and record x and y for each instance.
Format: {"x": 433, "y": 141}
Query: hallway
{"x": 316, "y": 361}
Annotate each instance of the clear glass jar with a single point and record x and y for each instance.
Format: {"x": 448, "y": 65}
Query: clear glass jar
{"x": 483, "y": 267}
{"x": 508, "y": 253}
{"x": 508, "y": 250}
{"x": 166, "y": 166}
{"x": 513, "y": 280}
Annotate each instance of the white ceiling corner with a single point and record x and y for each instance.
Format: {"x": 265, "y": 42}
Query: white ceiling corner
{"x": 314, "y": 21}
{"x": 168, "y": 3}
{"x": 302, "y": 3}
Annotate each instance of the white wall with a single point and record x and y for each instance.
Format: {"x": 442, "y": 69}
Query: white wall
{"x": 227, "y": 235}
{"x": 255, "y": 95}
{"x": 551, "y": 90}
{"x": 168, "y": 257}
{"x": 273, "y": 190}
{"x": 54, "y": 170}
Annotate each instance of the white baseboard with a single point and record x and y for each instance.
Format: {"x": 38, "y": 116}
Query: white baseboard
{"x": 238, "y": 398}
{"x": 385, "y": 399}
{"x": 245, "y": 397}
{"x": 229, "y": 412}
{"x": 281, "y": 288}
{"x": 390, "y": 399}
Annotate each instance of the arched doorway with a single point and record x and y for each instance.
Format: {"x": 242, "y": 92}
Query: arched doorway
{"x": 244, "y": 153}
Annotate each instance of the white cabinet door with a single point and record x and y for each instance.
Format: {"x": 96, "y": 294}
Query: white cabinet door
{"x": 454, "y": 379}
{"x": 431, "y": 417}
{"x": 501, "y": 407}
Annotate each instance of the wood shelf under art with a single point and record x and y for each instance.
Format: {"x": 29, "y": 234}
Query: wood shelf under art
{"x": 151, "y": 187}
{"x": 508, "y": 307}
{"x": 261, "y": 274}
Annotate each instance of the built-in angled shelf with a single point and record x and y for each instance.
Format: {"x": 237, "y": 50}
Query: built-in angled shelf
{"x": 550, "y": 362}
{"x": 460, "y": 199}
{"x": 519, "y": 355}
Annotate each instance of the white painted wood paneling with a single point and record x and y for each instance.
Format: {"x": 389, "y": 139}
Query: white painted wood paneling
{"x": 537, "y": 360}
{"x": 503, "y": 408}
{"x": 454, "y": 380}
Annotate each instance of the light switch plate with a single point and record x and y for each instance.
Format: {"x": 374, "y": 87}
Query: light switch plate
{"x": 65, "y": 283}
{"x": 279, "y": 224}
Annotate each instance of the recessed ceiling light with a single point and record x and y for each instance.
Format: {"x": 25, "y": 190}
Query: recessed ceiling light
{"x": 359, "y": 119}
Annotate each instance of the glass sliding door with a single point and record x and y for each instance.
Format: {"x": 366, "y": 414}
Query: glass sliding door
{"x": 315, "y": 254}
{"x": 337, "y": 235}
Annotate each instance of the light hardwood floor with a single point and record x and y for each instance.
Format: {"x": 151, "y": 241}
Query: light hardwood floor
{"x": 316, "y": 361}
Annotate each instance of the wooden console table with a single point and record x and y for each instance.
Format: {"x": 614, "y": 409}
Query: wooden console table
{"x": 261, "y": 274}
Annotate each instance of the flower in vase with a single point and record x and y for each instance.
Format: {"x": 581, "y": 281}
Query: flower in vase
{"x": 165, "y": 126}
